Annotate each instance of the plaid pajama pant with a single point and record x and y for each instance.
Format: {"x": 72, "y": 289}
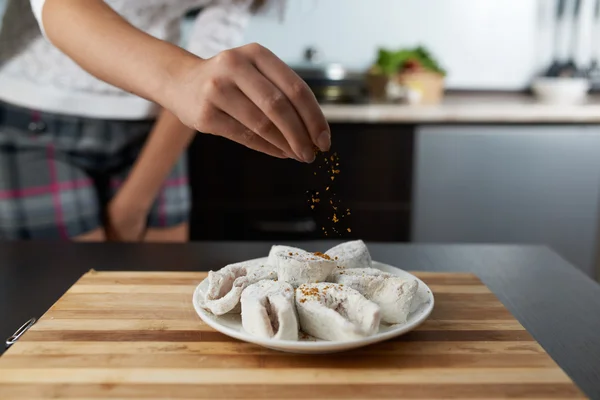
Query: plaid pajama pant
{"x": 58, "y": 173}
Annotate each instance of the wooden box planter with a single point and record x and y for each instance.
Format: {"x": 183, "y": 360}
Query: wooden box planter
{"x": 430, "y": 85}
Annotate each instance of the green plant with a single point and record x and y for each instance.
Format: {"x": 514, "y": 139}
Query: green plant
{"x": 390, "y": 62}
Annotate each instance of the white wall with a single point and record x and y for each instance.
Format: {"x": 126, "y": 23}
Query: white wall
{"x": 484, "y": 44}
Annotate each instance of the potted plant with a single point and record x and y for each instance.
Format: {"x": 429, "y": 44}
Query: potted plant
{"x": 415, "y": 70}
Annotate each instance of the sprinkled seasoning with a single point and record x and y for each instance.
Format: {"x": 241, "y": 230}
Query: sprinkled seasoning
{"x": 322, "y": 255}
{"x": 330, "y": 208}
{"x": 314, "y": 293}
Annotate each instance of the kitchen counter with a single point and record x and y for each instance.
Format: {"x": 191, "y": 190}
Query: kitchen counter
{"x": 556, "y": 303}
{"x": 469, "y": 108}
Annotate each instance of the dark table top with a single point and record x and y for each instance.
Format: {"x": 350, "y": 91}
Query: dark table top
{"x": 555, "y": 302}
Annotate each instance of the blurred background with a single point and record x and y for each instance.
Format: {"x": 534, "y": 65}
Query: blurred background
{"x": 455, "y": 121}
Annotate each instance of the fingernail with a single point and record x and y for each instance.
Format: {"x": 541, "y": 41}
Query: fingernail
{"x": 324, "y": 141}
{"x": 308, "y": 155}
{"x": 292, "y": 156}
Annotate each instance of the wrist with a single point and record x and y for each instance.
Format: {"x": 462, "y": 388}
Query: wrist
{"x": 129, "y": 206}
{"x": 177, "y": 73}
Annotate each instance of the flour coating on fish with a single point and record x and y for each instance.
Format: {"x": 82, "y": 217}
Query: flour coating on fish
{"x": 226, "y": 285}
{"x": 299, "y": 267}
{"x": 269, "y": 311}
{"x": 272, "y": 258}
{"x": 353, "y": 254}
{"x": 330, "y": 311}
{"x": 394, "y": 295}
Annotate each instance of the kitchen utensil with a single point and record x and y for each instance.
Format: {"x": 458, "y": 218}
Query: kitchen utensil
{"x": 559, "y": 32}
{"x": 594, "y": 71}
{"x": 569, "y": 69}
{"x": 231, "y": 325}
{"x": 136, "y": 335}
{"x": 331, "y": 82}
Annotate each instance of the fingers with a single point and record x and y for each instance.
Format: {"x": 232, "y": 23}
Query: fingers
{"x": 226, "y": 126}
{"x": 261, "y": 103}
{"x": 277, "y": 107}
{"x": 235, "y": 103}
{"x": 296, "y": 90}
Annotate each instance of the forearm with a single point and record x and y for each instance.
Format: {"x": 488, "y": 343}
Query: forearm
{"x": 245, "y": 94}
{"x": 121, "y": 54}
{"x": 165, "y": 145}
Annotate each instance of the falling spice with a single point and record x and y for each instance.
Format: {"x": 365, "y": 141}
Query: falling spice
{"x": 330, "y": 206}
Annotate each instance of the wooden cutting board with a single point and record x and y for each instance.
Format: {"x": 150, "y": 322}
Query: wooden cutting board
{"x": 136, "y": 335}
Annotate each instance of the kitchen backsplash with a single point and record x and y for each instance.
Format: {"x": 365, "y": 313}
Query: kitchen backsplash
{"x": 484, "y": 44}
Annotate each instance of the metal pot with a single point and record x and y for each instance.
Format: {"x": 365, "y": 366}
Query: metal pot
{"x": 331, "y": 82}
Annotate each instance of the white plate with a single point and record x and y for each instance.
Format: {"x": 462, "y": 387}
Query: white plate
{"x": 231, "y": 324}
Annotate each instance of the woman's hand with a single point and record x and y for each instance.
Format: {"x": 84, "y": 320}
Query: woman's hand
{"x": 250, "y": 96}
{"x": 125, "y": 221}
{"x": 245, "y": 94}
{"x": 128, "y": 210}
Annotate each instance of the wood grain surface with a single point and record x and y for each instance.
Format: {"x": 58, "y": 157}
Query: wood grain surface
{"x": 136, "y": 335}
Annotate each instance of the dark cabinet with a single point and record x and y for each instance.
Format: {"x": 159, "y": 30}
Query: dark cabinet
{"x": 239, "y": 194}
